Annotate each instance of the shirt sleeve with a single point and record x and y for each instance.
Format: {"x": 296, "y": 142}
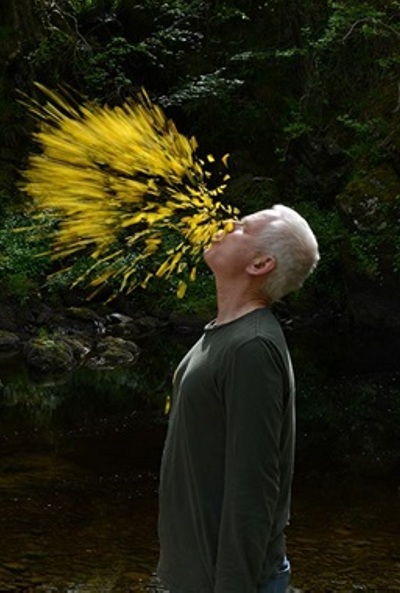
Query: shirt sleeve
{"x": 253, "y": 395}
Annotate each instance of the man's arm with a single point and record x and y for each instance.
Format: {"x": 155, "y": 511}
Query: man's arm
{"x": 253, "y": 393}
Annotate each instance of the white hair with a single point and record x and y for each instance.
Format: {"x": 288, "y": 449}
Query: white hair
{"x": 288, "y": 238}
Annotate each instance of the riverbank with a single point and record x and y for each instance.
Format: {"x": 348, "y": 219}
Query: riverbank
{"x": 348, "y": 384}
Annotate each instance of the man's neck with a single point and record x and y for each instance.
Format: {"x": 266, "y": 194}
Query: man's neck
{"x": 232, "y": 305}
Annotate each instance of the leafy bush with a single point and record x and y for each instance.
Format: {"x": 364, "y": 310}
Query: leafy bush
{"x": 106, "y": 73}
{"x": 23, "y": 265}
{"x": 326, "y": 285}
{"x": 81, "y": 7}
{"x": 344, "y": 56}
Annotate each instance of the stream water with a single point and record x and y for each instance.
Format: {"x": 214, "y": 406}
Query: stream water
{"x": 79, "y": 460}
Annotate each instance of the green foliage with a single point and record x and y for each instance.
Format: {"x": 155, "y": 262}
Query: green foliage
{"x": 371, "y": 200}
{"x": 19, "y": 286}
{"x": 375, "y": 247}
{"x": 105, "y": 73}
{"x": 150, "y": 56}
{"x": 13, "y": 133}
{"x": 326, "y": 282}
{"x": 82, "y": 7}
{"x": 65, "y": 274}
{"x": 364, "y": 249}
{"x": 245, "y": 78}
{"x": 199, "y": 301}
{"x": 22, "y": 267}
{"x": 12, "y": 123}
{"x": 51, "y": 60}
{"x": 195, "y": 93}
{"x": 368, "y": 136}
{"x": 344, "y": 59}
{"x": 169, "y": 47}
{"x": 50, "y": 48}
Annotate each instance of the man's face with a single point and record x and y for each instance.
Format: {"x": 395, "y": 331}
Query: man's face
{"x": 231, "y": 252}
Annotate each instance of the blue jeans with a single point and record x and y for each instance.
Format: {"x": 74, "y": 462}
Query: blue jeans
{"x": 280, "y": 583}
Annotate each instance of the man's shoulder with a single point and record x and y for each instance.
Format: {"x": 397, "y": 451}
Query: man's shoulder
{"x": 255, "y": 330}
{"x": 261, "y": 326}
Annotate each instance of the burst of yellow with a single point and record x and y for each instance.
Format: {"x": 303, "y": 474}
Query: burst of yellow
{"x": 121, "y": 183}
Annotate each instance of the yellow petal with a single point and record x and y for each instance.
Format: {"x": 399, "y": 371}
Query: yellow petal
{"x": 180, "y": 293}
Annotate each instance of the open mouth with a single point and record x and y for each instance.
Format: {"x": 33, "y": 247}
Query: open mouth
{"x": 228, "y": 227}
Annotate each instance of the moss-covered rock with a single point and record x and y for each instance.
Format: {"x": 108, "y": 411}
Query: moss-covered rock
{"x": 49, "y": 355}
{"x": 9, "y": 341}
{"x": 113, "y": 352}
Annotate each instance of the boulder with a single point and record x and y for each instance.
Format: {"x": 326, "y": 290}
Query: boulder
{"x": 124, "y": 326}
{"x": 49, "y": 355}
{"x": 112, "y": 352}
{"x": 9, "y": 341}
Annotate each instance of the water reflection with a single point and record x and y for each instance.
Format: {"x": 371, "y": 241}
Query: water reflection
{"x": 79, "y": 472}
{"x": 65, "y": 529}
{"x": 345, "y": 535}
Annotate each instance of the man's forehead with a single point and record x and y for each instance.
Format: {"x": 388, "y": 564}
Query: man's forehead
{"x": 261, "y": 215}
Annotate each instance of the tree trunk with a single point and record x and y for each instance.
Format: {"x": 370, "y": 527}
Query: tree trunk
{"x": 21, "y": 29}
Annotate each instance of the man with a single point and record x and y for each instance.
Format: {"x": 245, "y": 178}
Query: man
{"x": 228, "y": 459}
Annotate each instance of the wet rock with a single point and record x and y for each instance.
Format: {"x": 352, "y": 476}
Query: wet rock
{"x": 85, "y": 314}
{"x": 79, "y": 346}
{"x": 49, "y": 355}
{"x": 112, "y": 352}
{"x": 23, "y": 319}
{"x": 110, "y": 342}
{"x": 119, "y": 318}
{"x": 75, "y": 321}
{"x": 8, "y": 319}
{"x": 9, "y": 341}
{"x": 125, "y": 326}
{"x": 82, "y": 320}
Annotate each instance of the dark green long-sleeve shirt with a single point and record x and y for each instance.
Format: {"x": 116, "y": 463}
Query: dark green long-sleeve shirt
{"x": 228, "y": 460}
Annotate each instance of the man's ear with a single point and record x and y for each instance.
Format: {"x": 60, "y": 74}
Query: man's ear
{"x": 260, "y": 265}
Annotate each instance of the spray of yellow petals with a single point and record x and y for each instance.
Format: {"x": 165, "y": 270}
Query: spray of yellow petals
{"x": 122, "y": 184}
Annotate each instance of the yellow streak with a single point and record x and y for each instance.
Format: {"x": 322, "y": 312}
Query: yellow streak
{"x": 119, "y": 182}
